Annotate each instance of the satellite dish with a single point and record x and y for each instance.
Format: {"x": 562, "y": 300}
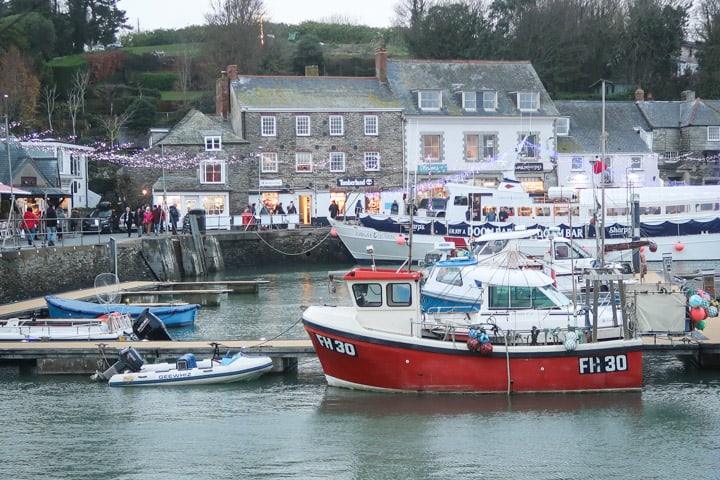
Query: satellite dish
{"x": 107, "y": 287}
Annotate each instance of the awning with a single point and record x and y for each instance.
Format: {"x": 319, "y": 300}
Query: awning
{"x": 46, "y": 192}
{"x": 15, "y": 191}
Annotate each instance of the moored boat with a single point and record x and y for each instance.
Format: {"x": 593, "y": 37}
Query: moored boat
{"x": 113, "y": 326}
{"x": 682, "y": 221}
{"x": 171, "y": 315}
{"x": 131, "y": 371}
{"x": 379, "y": 343}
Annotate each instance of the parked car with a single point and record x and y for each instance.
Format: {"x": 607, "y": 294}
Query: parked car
{"x": 101, "y": 220}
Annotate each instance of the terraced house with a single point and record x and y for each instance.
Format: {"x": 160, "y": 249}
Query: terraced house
{"x": 319, "y": 139}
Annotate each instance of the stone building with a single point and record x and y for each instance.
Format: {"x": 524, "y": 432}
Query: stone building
{"x": 318, "y": 139}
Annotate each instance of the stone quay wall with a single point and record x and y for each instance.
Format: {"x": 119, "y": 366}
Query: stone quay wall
{"x": 35, "y": 272}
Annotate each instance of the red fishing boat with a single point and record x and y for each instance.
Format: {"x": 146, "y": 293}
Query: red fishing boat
{"x": 384, "y": 342}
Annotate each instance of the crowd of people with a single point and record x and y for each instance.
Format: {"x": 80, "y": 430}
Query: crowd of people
{"x": 150, "y": 220}
{"x": 50, "y": 222}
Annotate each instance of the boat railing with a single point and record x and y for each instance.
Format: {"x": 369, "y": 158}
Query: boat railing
{"x": 119, "y": 322}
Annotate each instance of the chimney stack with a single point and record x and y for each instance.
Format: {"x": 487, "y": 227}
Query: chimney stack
{"x": 381, "y": 64}
{"x": 222, "y": 91}
{"x": 687, "y": 96}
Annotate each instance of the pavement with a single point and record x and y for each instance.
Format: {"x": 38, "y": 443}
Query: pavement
{"x": 68, "y": 240}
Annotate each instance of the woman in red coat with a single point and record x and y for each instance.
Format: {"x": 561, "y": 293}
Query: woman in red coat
{"x": 30, "y": 224}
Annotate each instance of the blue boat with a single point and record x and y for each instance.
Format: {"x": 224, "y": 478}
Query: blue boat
{"x": 171, "y": 315}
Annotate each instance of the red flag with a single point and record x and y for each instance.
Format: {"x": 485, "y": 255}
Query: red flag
{"x": 599, "y": 167}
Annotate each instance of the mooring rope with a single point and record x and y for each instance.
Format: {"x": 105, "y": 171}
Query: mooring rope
{"x": 304, "y": 252}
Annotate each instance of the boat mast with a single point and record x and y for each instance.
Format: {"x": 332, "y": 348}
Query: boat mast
{"x": 603, "y": 138}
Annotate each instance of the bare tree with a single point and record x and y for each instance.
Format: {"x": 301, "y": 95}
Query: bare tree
{"x": 80, "y": 83}
{"x": 235, "y": 12}
{"x": 50, "y": 96}
{"x": 183, "y": 64}
{"x": 74, "y": 102}
{"x": 112, "y": 124}
{"x": 703, "y": 16}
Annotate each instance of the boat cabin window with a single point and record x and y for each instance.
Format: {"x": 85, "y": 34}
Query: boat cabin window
{"x": 525, "y": 211}
{"x": 562, "y": 251}
{"x": 450, "y": 276}
{"x": 673, "y": 209}
{"x": 367, "y": 294}
{"x": 652, "y": 210}
{"x": 706, "y": 207}
{"x": 459, "y": 201}
{"x": 503, "y": 296}
{"x": 542, "y": 211}
{"x": 615, "y": 212}
{"x": 399, "y": 295}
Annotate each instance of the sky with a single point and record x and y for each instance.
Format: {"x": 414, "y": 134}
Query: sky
{"x": 174, "y": 14}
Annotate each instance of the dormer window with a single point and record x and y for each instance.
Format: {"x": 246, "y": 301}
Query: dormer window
{"x": 469, "y": 101}
{"x": 212, "y": 171}
{"x": 489, "y": 100}
{"x": 213, "y": 143}
{"x": 429, "y": 100}
{"x": 562, "y": 127}
{"x": 528, "y": 101}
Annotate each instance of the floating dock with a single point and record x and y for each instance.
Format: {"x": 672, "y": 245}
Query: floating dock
{"x": 81, "y": 357}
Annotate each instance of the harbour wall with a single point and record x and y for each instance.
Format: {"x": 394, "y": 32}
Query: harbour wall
{"x": 34, "y": 272}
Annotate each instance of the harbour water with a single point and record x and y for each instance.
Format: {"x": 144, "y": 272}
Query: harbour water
{"x": 293, "y": 426}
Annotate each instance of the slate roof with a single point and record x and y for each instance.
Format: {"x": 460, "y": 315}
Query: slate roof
{"x": 452, "y": 77}
{"x": 187, "y": 184}
{"x": 18, "y": 156}
{"x": 673, "y": 114}
{"x": 193, "y": 128}
{"x": 621, "y": 119}
{"x": 313, "y": 93}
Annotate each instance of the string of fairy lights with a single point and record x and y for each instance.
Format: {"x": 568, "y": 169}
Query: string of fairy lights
{"x": 126, "y": 155}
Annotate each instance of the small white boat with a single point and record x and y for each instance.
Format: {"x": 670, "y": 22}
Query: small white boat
{"x": 112, "y": 326}
{"x": 33, "y": 330}
{"x": 131, "y": 371}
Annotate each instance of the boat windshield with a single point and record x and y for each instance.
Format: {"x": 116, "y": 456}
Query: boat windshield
{"x": 553, "y": 296}
{"x": 490, "y": 247}
{"x": 520, "y": 297}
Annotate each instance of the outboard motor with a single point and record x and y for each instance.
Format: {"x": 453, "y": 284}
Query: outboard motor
{"x": 148, "y": 326}
{"x": 128, "y": 359}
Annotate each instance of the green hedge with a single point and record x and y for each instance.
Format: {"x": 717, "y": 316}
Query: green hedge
{"x": 159, "y": 81}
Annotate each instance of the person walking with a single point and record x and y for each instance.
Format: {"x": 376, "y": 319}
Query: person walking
{"x": 138, "y": 217}
{"x": 148, "y": 220}
{"x": 61, "y": 223}
{"x": 128, "y": 220}
{"x": 291, "y": 208}
{"x": 358, "y": 209}
{"x": 279, "y": 210}
{"x": 30, "y": 224}
{"x": 157, "y": 215}
{"x": 51, "y": 224}
{"x": 333, "y": 209}
{"x": 394, "y": 208}
{"x": 174, "y": 218}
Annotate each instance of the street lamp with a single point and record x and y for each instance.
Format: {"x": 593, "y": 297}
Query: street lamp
{"x": 10, "y": 220}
